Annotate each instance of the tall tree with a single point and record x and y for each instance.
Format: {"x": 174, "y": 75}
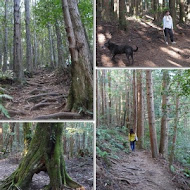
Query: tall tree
{"x": 164, "y": 121}
{"x": 5, "y": 37}
{"x": 151, "y": 113}
{"x": 134, "y": 101}
{"x": 17, "y": 59}
{"x": 81, "y": 68}
{"x": 61, "y": 60}
{"x": 172, "y": 6}
{"x": 140, "y": 110}
{"x": 182, "y": 11}
{"x": 29, "y": 63}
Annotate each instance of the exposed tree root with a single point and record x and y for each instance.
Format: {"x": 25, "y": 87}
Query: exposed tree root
{"x": 33, "y": 84}
{"x": 36, "y": 97}
{"x": 37, "y": 106}
{"x": 12, "y": 113}
{"x": 61, "y": 115}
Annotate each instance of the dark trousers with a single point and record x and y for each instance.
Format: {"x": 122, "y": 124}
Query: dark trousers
{"x": 169, "y": 31}
{"x": 132, "y": 144}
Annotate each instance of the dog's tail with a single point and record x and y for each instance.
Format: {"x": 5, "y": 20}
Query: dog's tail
{"x": 135, "y": 50}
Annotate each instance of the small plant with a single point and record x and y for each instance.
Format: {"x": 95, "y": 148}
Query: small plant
{"x": 3, "y": 96}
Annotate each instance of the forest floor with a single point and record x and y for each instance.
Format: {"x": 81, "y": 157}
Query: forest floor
{"x": 138, "y": 170}
{"x": 42, "y": 96}
{"x": 80, "y": 169}
{"x": 152, "y": 52}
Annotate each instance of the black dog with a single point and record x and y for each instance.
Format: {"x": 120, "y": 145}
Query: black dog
{"x": 116, "y": 49}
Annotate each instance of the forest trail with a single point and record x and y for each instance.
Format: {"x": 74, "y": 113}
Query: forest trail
{"x": 139, "y": 171}
{"x": 45, "y": 93}
{"x": 152, "y": 52}
{"x": 143, "y": 172}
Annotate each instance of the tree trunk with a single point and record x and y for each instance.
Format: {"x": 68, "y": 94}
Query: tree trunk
{"x": 182, "y": 11}
{"x": 81, "y": 91}
{"x": 17, "y": 59}
{"x": 164, "y": 122}
{"x": 27, "y": 136}
{"x": 61, "y": 60}
{"x": 5, "y": 38}
{"x": 140, "y": 109}
{"x": 134, "y": 102}
{"x": 52, "y": 58}
{"x": 29, "y": 63}
{"x": 173, "y": 11}
{"x": 151, "y": 113}
{"x": 172, "y": 153}
{"x": 45, "y": 154}
{"x": 122, "y": 14}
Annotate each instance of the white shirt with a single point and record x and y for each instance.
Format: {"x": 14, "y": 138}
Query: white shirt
{"x": 167, "y": 22}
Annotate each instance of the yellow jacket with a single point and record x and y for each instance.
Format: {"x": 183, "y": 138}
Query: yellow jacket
{"x": 132, "y": 137}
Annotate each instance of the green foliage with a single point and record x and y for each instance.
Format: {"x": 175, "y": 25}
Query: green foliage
{"x": 8, "y": 74}
{"x": 2, "y": 97}
{"x": 110, "y": 142}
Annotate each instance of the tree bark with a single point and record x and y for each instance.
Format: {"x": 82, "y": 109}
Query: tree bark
{"x": 5, "y": 38}
{"x": 45, "y": 154}
{"x": 29, "y": 63}
{"x": 17, "y": 59}
{"x": 140, "y": 109}
{"x": 27, "y": 137}
{"x": 164, "y": 121}
{"x": 151, "y": 113}
{"x": 81, "y": 91}
{"x": 173, "y": 11}
{"x": 61, "y": 60}
{"x": 172, "y": 153}
{"x": 134, "y": 102}
{"x": 182, "y": 11}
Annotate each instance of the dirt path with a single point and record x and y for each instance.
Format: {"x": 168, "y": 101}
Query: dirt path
{"x": 80, "y": 169}
{"x": 138, "y": 171}
{"x": 43, "y": 96}
{"x": 153, "y": 52}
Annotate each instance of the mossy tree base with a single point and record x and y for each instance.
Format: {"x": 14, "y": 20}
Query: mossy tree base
{"x": 45, "y": 154}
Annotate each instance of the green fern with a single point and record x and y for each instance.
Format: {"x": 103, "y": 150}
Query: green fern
{"x": 4, "y": 111}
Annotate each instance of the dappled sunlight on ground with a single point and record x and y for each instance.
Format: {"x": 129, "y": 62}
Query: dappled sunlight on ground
{"x": 170, "y": 52}
{"x": 106, "y": 61}
{"x": 174, "y": 63}
{"x": 152, "y": 52}
{"x": 101, "y": 39}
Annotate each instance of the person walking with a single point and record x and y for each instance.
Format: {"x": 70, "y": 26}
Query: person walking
{"x": 132, "y": 138}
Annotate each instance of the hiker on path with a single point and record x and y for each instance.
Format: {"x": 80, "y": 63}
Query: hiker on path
{"x": 168, "y": 27}
{"x": 132, "y": 138}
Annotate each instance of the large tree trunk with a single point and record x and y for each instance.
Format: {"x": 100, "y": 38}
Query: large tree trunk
{"x": 45, "y": 154}
{"x": 172, "y": 153}
{"x": 61, "y": 60}
{"x": 151, "y": 113}
{"x": 172, "y": 7}
{"x": 29, "y": 63}
{"x": 182, "y": 11}
{"x": 17, "y": 59}
{"x": 134, "y": 102}
{"x": 122, "y": 14}
{"x": 164, "y": 122}
{"x": 52, "y": 58}
{"x": 81, "y": 92}
{"x": 27, "y": 136}
{"x": 140, "y": 110}
{"x": 5, "y": 38}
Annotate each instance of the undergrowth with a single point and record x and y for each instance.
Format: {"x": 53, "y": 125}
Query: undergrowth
{"x": 110, "y": 142}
